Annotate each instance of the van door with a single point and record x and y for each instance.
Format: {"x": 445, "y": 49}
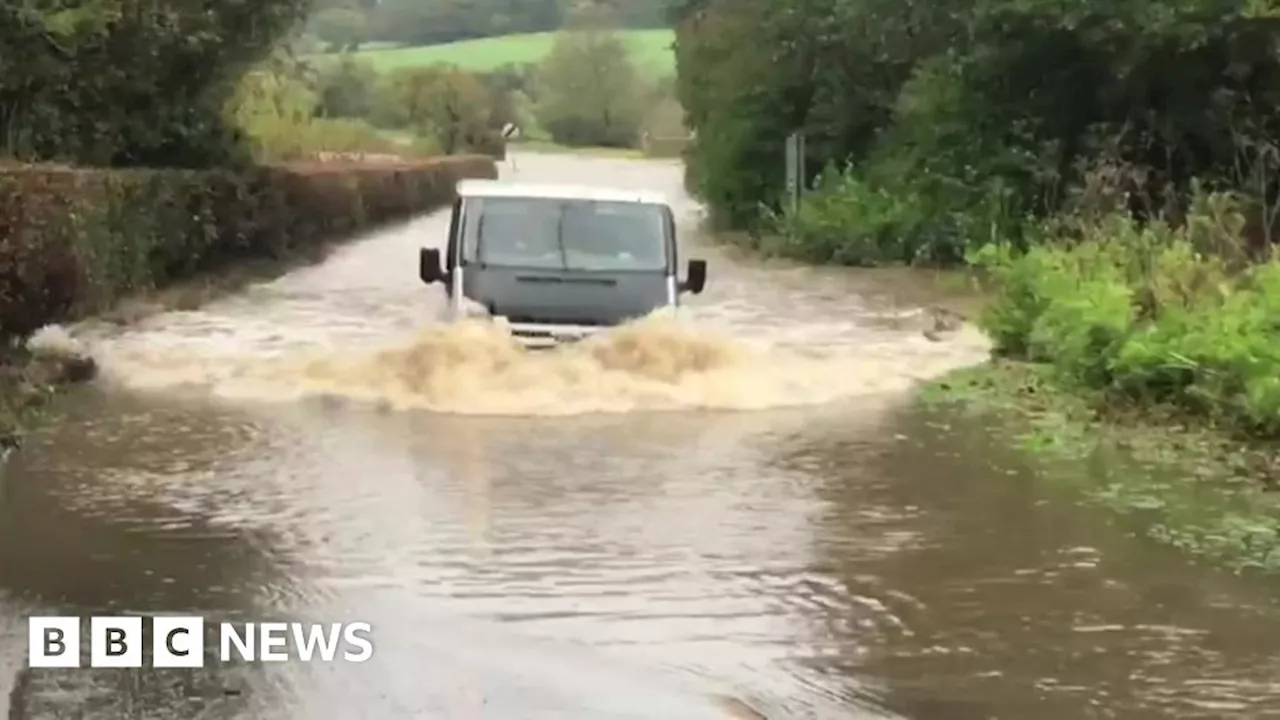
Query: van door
{"x": 455, "y": 237}
{"x": 452, "y": 258}
{"x": 673, "y": 246}
{"x": 673, "y": 258}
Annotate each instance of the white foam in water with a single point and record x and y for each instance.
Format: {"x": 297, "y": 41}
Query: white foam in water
{"x": 476, "y": 367}
{"x": 55, "y": 340}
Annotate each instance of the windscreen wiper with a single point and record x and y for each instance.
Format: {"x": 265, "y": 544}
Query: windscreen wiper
{"x": 564, "y": 254}
{"x": 479, "y": 242}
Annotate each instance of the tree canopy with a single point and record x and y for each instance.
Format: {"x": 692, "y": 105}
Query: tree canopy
{"x": 588, "y": 88}
{"x": 970, "y": 97}
{"x": 129, "y": 82}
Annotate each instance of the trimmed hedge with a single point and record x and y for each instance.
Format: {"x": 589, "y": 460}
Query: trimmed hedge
{"x": 73, "y": 241}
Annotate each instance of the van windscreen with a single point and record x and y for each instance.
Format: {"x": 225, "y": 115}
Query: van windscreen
{"x": 566, "y": 234}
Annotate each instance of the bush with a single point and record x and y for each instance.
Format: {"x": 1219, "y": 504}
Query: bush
{"x": 347, "y": 88}
{"x": 1154, "y": 313}
{"x": 589, "y": 91}
{"x": 72, "y": 241}
{"x": 847, "y": 221}
{"x": 450, "y": 105}
{"x": 276, "y": 112}
{"x": 894, "y": 211}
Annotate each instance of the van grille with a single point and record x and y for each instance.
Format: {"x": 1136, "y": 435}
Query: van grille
{"x": 553, "y": 320}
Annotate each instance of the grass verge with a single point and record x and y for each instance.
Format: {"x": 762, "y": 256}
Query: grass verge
{"x": 1183, "y": 483}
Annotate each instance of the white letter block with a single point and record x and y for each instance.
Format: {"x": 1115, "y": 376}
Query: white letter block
{"x": 53, "y": 642}
{"x": 115, "y": 642}
{"x": 177, "y": 642}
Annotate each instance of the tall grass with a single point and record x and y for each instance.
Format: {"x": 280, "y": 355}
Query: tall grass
{"x": 1169, "y": 313}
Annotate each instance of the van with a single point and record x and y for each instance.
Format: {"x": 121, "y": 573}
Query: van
{"x": 556, "y": 262}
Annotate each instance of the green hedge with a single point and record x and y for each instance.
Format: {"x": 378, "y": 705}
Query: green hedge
{"x": 73, "y": 241}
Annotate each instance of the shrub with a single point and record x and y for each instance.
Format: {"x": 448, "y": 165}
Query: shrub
{"x": 1154, "y": 313}
{"x": 847, "y": 221}
{"x": 589, "y": 92}
{"x": 72, "y": 241}
{"x": 276, "y": 111}
{"x": 347, "y": 88}
{"x": 442, "y": 102}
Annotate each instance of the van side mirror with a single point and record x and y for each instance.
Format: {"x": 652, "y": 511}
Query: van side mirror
{"x": 429, "y": 269}
{"x": 696, "y": 278}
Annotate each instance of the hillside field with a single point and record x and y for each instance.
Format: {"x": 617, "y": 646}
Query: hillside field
{"x": 651, "y": 50}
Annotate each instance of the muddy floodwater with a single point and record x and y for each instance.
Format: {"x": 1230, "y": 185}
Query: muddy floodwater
{"x": 742, "y": 507}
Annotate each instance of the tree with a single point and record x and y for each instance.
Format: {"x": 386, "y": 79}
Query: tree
{"x": 271, "y": 103}
{"x": 122, "y": 82}
{"x": 443, "y": 102}
{"x": 348, "y": 88}
{"x": 962, "y": 98}
{"x": 588, "y": 89}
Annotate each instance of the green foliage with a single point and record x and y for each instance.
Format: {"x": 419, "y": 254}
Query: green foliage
{"x": 589, "y": 92}
{"x": 733, "y": 93}
{"x": 997, "y": 104}
{"x": 117, "y": 82}
{"x": 848, "y": 218}
{"x": 444, "y": 103}
{"x": 275, "y": 108}
{"x": 1149, "y": 313}
{"x": 848, "y": 221}
{"x": 967, "y": 130}
{"x": 74, "y": 241}
{"x": 347, "y": 89}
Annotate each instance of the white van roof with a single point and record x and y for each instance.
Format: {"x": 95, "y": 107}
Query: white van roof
{"x": 502, "y": 188}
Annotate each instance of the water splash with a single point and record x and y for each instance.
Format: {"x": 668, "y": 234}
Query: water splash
{"x": 476, "y": 367}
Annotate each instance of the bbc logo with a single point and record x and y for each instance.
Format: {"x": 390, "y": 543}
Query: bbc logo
{"x": 179, "y": 642}
{"x": 115, "y": 642}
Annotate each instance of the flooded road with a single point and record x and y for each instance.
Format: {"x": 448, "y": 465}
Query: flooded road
{"x": 743, "y": 507}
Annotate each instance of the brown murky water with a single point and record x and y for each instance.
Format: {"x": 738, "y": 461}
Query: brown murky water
{"x": 741, "y": 504}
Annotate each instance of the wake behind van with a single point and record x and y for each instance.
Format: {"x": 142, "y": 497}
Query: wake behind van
{"x": 559, "y": 262}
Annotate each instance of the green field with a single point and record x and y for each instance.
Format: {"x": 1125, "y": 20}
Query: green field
{"x": 650, "y": 48}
